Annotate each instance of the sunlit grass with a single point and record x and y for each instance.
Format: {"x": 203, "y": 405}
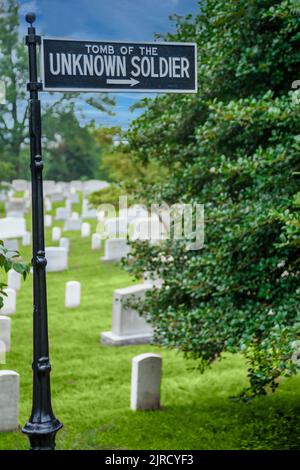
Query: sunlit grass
{"x": 91, "y": 382}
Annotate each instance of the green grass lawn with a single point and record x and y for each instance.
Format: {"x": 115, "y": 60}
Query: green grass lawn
{"x": 91, "y": 382}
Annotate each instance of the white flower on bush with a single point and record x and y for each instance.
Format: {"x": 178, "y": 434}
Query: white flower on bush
{"x": 281, "y": 264}
{"x": 285, "y": 274}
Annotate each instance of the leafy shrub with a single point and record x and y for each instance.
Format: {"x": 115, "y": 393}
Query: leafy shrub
{"x": 235, "y": 148}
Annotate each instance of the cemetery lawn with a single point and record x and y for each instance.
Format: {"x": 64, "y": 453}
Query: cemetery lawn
{"x": 91, "y": 382}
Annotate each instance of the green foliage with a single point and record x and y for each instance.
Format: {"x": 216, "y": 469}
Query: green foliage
{"x": 109, "y": 195}
{"x": 107, "y": 138}
{"x": 11, "y": 260}
{"x": 235, "y": 148}
{"x": 74, "y": 152}
{"x": 13, "y": 65}
{"x": 122, "y": 169}
{"x": 14, "y": 141}
{"x": 6, "y": 171}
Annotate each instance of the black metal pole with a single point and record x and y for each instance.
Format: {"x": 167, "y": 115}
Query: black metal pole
{"x": 42, "y": 425}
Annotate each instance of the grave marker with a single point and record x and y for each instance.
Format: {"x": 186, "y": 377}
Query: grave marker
{"x": 9, "y": 400}
{"x": 145, "y": 382}
{"x": 5, "y": 332}
{"x": 72, "y": 295}
{"x": 9, "y": 302}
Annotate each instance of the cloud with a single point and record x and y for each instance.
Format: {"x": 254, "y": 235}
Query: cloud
{"x": 107, "y": 20}
{"x": 27, "y": 7}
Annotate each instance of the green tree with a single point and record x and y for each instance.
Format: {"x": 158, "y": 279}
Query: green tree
{"x": 106, "y": 138}
{"x": 119, "y": 165}
{"x": 13, "y": 65}
{"x": 73, "y": 152}
{"x": 13, "y": 112}
{"x": 235, "y": 148}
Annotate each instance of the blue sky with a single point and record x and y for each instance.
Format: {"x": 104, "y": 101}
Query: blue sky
{"x": 136, "y": 20}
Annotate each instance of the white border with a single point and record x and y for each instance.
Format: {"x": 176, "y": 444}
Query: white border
{"x": 116, "y": 90}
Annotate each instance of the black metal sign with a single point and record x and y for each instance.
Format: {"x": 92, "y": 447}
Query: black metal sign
{"x": 95, "y": 66}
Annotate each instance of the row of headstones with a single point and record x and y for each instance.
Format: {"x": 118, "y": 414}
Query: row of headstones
{"x": 72, "y": 291}
{"x": 134, "y": 221}
{"x": 137, "y": 223}
{"x": 50, "y": 186}
{"x": 18, "y": 206}
{"x": 72, "y": 300}
{"x": 145, "y": 389}
{"x": 57, "y": 256}
{"x": 9, "y": 381}
{"x": 142, "y": 227}
{"x": 11, "y": 230}
{"x": 13, "y": 226}
{"x": 14, "y": 280}
{"x": 128, "y": 328}
{"x": 53, "y": 192}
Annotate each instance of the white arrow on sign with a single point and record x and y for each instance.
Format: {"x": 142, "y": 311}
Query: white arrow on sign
{"x": 131, "y": 81}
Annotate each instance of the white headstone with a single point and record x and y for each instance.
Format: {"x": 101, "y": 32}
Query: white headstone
{"x": 57, "y": 259}
{"x": 76, "y": 185}
{"x": 9, "y": 302}
{"x": 12, "y": 227}
{"x": 9, "y": 400}
{"x": 20, "y": 185}
{"x": 48, "y": 220}
{"x": 12, "y": 244}
{"x": 56, "y": 233}
{"x": 72, "y": 225}
{"x": 2, "y": 196}
{"x": 68, "y": 206}
{"x": 128, "y": 327}
{"x": 115, "y": 249}
{"x": 5, "y": 332}
{"x": 14, "y": 280}
{"x": 65, "y": 243}
{"x": 116, "y": 226}
{"x": 94, "y": 185}
{"x": 72, "y": 298}
{"x": 48, "y": 205}
{"x": 96, "y": 241}
{"x": 2, "y": 352}
{"x": 145, "y": 382}
{"x": 85, "y": 229}
{"x": 15, "y": 207}
{"x": 62, "y": 213}
{"x": 26, "y": 240}
{"x": 73, "y": 197}
{"x": 57, "y": 196}
{"x": 87, "y": 211}
{"x": 48, "y": 187}
{"x": 62, "y": 186}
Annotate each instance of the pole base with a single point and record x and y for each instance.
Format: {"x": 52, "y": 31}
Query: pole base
{"x": 42, "y": 435}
